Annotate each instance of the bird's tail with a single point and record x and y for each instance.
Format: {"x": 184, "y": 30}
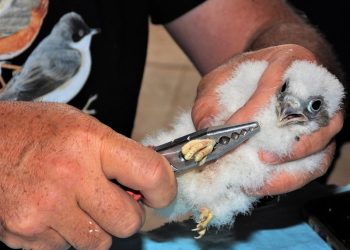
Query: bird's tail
{"x": 9, "y": 92}
{"x": 6, "y": 95}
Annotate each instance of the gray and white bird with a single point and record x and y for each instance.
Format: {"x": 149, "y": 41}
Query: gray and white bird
{"x": 214, "y": 195}
{"x": 58, "y": 67}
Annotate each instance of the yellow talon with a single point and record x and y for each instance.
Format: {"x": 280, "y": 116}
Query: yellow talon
{"x": 205, "y": 217}
{"x": 198, "y": 149}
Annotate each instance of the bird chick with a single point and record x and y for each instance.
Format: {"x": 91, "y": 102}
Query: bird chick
{"x": 215, "y": 195}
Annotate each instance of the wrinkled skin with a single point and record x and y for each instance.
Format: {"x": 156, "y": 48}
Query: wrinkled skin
{"x": 279, "y": 58}
{"x": 56, "y": 164}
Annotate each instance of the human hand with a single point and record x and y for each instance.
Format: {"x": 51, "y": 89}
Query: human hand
{"x": 279, "y": 58}
{"x": 56, "y": 164}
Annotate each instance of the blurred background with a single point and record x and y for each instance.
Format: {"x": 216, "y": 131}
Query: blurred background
{"x": 169, "y": 86}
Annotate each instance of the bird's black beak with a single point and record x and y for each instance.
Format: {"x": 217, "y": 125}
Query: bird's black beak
{"x": 290, "y": 113}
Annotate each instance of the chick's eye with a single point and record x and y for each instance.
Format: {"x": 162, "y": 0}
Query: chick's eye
{"x": 314, "y": 105}
{"x": 284, "y": 86}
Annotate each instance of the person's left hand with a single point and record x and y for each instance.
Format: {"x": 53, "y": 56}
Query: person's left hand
{"x": 279, "y": 59}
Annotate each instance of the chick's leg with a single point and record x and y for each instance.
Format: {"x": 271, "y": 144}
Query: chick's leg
{"x": 205, "y": 217}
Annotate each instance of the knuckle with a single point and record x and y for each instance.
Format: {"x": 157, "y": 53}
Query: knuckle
{"x": 12, "y": 242}
{"x": 156, "y": 171}
{"x": 127, "y": 220}
{"x": 203, "y": 83}
{"x": 130, "y": 225}
{"x": 104, "y": 243}
{"x": 161, "y": 178}
{"x": 25, "y": 226}
{"x": 65, "y": 174}
{"x": 47, "y": 203}
{"x": 78, "y": 129}
{"x": 168, "y": 194}
{"x": 202, "y": 110}
{"x": 200, "y": 103}
{"x": 101, "y": 241}
{"x": 196, "y": 109}
{"x": 300, "y": 50}
{"x": 162, "y": 203}
{"x": 68, "y": 169}
{"x": 323, "y": 169}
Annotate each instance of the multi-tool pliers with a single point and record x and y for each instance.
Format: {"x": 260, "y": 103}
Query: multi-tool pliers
{"x": 226, "y": 138}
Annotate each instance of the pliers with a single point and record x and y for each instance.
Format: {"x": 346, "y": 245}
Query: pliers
{"x": 227, "y": 137}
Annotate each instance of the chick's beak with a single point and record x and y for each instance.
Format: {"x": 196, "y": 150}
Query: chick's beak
{"x": 290, "y": 112}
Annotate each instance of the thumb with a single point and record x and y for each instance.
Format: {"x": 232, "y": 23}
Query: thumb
{"x": 138, "y": 167}
{"x": 206, "y": 105}
{"x": 286, "y": 181}
{"x": 203, "y": 112}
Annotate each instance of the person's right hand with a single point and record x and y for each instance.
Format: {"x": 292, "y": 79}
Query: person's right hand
{"x": 279, "y": 58}
{"x": 56, "y": 164}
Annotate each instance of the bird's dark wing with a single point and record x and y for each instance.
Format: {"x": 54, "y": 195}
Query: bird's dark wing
{"x": 43, "y": 73}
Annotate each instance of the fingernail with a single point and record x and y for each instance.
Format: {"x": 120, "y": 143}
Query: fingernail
{"x": 206, "y": 122}
{"x": 135, "y": 195}
{"x": 270, "y": 158}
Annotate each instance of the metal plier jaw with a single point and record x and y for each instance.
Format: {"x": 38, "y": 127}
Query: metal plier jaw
{"x": 226, "y": 137}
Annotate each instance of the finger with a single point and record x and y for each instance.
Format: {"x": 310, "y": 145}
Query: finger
{"x": 308, "y": 144}
{"x": 139, "y": 168}
{"x": 269, "y": 83}
{"x": 11, "y": 240}
{"x": 112, "y": 208}
{"x": 80, "y": 230}
{"x": 204, "y": 110}
{"x": 206, "y": 104}
{"x": 286, "y": 181}
{"x": 50, "y": 240}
